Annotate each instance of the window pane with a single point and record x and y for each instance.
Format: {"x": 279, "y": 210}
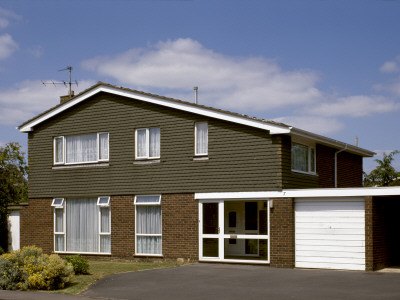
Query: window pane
{"x": 201, "y": 138}
{"x": 210, "y": 247}
{"x": 105, "y": 220}
{"x": 82, "y": 148}
{"x": 154, "y": 142}
{"x": 251, "y": 215}
{"x": 299, "y": 157}
{"x": 148, "y": 219}
{"x": 105, "y": 244}
{"x": 82, "y": 225}
{"x": 59, "y": 220}
{"x": 59, "y": 150}
{"x": 103, "y": 144}
{"x": 141, "y": 150}
{"x": 148, "y": 245}
{"x": 148, "y": 199}
{"x": 312, "y": 160}
{"x": 59, "y": 242}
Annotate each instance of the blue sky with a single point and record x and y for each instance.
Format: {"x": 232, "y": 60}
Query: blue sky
{"x": 330, "y": 66}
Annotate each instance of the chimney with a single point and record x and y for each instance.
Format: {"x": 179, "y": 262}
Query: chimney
{"x": 66, "y": 98}
{"x": 356, "y": 141}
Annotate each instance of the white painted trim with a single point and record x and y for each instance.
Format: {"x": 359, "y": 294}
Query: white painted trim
{"x": 298, "y": 193}
{"x": 274, "y": 129}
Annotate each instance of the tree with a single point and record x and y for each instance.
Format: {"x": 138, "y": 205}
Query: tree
{"x": 384, "y": 174}
{"x": 13, "y": 184}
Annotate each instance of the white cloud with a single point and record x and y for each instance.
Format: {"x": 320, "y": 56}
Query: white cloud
{"x": 241, "y": 83}
{"x": 26, "y": 99}
{"x": 316, "y": 124}
{"x": 36, "y": 51}
{"x": 392, "y": 87}
{"x": 7, "y": 46}
{"x": 355, "y": 106}
{"x": 390, "y": 67}
{"x": 5, "y": 16}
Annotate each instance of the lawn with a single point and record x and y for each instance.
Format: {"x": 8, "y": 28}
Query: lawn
{"x": 99, "y": 269}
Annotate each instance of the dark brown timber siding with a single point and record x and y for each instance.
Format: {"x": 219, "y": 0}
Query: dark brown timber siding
{"x": 241, "y": 158}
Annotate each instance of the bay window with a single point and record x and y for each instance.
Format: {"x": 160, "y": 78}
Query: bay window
{"x": 148, "y": 234}
{"x": 82, "y": 225}
{"x": 303, "y": 158}
{"x": 77, "y": 149}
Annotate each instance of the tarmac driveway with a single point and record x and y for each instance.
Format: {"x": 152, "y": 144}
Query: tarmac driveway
{"x": 221, "y": 281}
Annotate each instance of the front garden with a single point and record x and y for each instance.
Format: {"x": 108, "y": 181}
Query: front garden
{"x": 31, "y": 269}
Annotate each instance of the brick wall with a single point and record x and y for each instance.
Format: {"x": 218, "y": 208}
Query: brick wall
{"x": 37, "y": 224}
{"x": 282, "y": 233}
{"x": 122, "y": 226}
{"x": 180, "y": 225}
{"x": 349, "y": 168}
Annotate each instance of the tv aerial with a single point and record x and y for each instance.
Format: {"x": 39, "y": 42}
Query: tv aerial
{"x": 66, "y": 84}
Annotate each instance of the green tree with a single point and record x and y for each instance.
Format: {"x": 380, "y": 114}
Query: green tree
{"x": 13, "y": 184}
{"x": 384, "y": 174}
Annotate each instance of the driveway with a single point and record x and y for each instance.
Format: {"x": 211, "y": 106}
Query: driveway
{"x": 221, "y": 281}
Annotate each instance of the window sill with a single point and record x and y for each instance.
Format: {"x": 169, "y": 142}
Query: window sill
{"x": 305, "y": 173}
{"x": 147, "y": 161}
{"x": 200, "y": 158}
{"x": 87, "y": 165}
{"x": 82, "y": 253}
{"x": 148, "y": 255}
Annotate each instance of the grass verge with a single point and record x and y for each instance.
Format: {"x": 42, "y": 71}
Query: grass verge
{"x": 99, "y": 269}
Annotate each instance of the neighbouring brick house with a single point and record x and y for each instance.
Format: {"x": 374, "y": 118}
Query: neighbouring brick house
{"x": 121, "y": 173}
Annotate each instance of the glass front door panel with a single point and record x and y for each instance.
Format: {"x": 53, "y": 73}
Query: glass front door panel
{"x": 210, "y": 218}
{"x": 210, "y": 247}
{"x": 246, "y": 249}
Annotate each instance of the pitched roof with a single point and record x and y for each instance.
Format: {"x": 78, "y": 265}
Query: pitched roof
{"x": 271, "y": 126}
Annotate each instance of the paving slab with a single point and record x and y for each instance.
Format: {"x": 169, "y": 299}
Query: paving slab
{"x": 222, "y": 281}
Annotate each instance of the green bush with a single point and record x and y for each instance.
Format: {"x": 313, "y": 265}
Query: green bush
{"x": 80, "y": 264}
{"x": 30, "y": 269}
{"x": 2, "y": 251}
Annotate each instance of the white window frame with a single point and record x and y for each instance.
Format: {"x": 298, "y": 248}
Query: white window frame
{"x": 310, "y": 149}
{"x": 64, "y": 233}
{"x": 55, "y": 150}
{"x": 157, "y": 203}
{"x": 196, "y": 153}
{"x": 147, "y": 156}
{"x": 98, "y": 146}
{"x": 64, "y": 162}
{"x": 58, "y": 233}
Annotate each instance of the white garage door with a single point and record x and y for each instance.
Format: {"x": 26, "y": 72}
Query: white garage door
{"x": 330, "y": 234}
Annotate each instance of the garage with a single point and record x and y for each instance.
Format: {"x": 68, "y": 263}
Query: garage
{"x": 330, "y": 233}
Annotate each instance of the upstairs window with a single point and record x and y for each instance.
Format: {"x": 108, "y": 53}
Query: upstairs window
{"x": 303, "y": 158}
{"x": 201, "y": 138}
{"x": 77, "y": 149}
{"x": 147, "y": 143}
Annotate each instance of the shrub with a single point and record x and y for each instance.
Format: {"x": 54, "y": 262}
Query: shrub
{"x": 29, "y": 268}
{"x": 2, "y": 251}
{"x": 80, "y": 264}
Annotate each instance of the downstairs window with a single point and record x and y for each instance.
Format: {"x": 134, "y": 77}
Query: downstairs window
{"x": 82, "y": 225}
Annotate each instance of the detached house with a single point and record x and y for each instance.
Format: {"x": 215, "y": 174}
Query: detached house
{"x": 121, "y": 173}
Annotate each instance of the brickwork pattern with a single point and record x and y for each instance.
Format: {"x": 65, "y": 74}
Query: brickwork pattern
{"x": 349, "y": 168}
{"x": 37, "y": 224}
{"x": 180, "y": 225}
{"x": 282, "y": 233}
{"x": 122, "y": 226}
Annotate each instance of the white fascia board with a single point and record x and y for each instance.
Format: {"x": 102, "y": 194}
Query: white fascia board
{"x": 274, "y": 129}
{"x": 331, "y": 142}
{"x": 302, "y": 193}
{"x": 238, "y": 195}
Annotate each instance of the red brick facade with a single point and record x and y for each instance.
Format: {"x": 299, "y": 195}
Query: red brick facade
{"x": 36, "y": 221}
{"x": 349, "y": 168}
{"x": 282, "y": 233}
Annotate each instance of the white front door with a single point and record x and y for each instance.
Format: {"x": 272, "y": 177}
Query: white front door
{"x": 13, "y": 230}
{"x": 234, "y": 231}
